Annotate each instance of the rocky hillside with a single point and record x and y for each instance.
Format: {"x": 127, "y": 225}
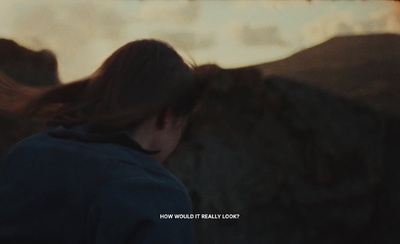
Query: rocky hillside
{"x": 305, "y": 149}
{"x": 364, "y": 68}
{"x": 33, "y": 68}
{"x": 299, "y": 164}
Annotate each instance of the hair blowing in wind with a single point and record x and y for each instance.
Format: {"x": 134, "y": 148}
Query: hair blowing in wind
{"x": 139, "y": 79}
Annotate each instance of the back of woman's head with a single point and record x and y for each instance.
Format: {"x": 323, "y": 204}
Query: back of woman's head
{"x": 137, "y": 80}
{"x": 140, "y": 79}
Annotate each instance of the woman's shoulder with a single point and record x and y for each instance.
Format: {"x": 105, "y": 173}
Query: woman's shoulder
{"x": 132, "y": 207}
{"x": 144, "y": 195}
{"x": 119, "y": 163}
{"x": 110, "y": 170}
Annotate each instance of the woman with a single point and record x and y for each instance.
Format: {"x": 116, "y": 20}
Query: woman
{"x": 96, "y": 176}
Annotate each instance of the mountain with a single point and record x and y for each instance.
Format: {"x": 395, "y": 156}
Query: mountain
{"x": 29, "y": 67}
{"x": 305, "y": 149}
{"x": 365, "y": 68}
{"x": 298, "y": 163}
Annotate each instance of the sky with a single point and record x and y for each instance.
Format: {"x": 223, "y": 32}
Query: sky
{"x": 230, "y": 33}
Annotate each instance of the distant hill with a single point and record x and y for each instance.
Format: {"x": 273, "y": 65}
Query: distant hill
{"x": 29, "y": 67}
{"x": 364, "y": 67}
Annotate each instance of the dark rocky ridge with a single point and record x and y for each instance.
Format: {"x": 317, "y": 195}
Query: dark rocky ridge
{"x": 33, "y": 68}
{"x": 299, "y": 164}
{"x": 310, "y": 158}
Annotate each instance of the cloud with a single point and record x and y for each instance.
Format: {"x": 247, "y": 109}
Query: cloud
{"x": 70, "y": 22}
{"x": 384, "y": 20}
{"x": 261, "y": 35}
{"x": 185, "y": 40}
{"x": 339, "y": 22}
{"x": 328, "y": 26}
{"x": 84, "y": 33}
{"x": 183, "y": 12}
{"x": 69, "y": 29}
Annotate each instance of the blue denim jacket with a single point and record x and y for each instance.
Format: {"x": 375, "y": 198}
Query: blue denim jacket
{"x": 72, "y": 186}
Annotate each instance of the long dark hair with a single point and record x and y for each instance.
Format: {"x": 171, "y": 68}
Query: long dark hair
{"x": 138, "y": 80}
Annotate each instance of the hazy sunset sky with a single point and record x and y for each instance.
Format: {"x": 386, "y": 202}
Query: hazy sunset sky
{"x": 229, "y": 33}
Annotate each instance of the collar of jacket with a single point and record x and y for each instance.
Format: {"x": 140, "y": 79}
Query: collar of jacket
{"x": 82, "y": 133}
